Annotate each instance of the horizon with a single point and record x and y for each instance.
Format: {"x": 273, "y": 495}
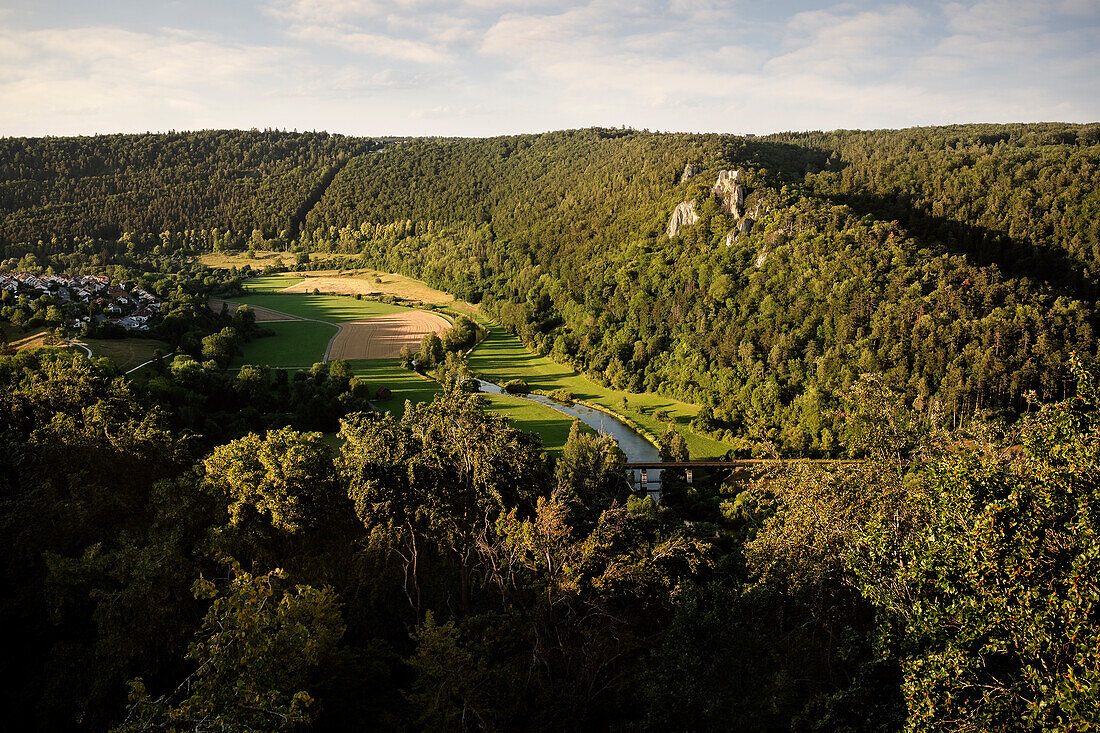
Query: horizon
{"x": 486, "y": 68}
{"x": 748, "y": 135}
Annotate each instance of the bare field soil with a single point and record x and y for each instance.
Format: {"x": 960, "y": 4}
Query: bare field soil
{"x": 263, "y": 315}
{"x": 370, "y": 282}
{"x": 382, "y": 337}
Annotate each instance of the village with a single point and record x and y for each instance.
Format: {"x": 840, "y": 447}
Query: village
{"x": 97, "y": 300}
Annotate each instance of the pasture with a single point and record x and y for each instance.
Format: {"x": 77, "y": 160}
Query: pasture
{"x": 502, "y": 356}
{"x": 295, "y": 344}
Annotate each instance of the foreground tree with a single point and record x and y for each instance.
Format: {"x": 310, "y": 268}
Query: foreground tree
{"x": 993, "y": 601}
{"x": 437, "y": 479}
{"x": 260, "y": 648}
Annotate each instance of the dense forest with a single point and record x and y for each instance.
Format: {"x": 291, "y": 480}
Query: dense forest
{"x": 958, "y": 262}
{"x": 196, "y": 547}
{"x": 110, "y": 184}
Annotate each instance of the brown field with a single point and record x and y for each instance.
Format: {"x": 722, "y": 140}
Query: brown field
{"x": 264, "y": 258}
{"x": 370, "y": 282}
{"x": 263, "y": 315}
{"x": 32, "y": 340}
{"x": 382, "y": 337}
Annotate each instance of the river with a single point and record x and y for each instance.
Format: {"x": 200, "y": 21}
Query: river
{"x": 636, "y": 448}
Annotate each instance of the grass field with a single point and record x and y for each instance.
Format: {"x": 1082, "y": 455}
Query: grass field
{"x": 23, "y": 341}
{"x": 328, "y": 308}
{"x": 295, "y": 344}
{"x": 271, "y": 283}
{"x": 125, "y": 353}
{"x": 502, "y": 356}
{"x": 551, "y": 425}
{"x": 532, "y": 417}
{"x": 405, "y": 384}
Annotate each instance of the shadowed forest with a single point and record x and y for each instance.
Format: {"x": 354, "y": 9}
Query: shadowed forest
{"x": 205, "y": 543}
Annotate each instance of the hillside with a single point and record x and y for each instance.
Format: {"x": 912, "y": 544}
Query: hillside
{"x": 958, "y": 262}
{"x": 211, "y": 540}
{"x": 109, "y": 184}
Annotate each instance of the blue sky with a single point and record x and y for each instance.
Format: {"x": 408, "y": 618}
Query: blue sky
{"x": 485, "y": 67}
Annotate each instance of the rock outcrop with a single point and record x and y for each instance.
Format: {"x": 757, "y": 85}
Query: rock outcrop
{"x": 760, "y": 258}
{"x": 729, "y": 189}
{"x": 731, "y": 237}
{"x": 683, "y": 216}
{"x": 690, "y": 171}
{"x": 745, "y": 225}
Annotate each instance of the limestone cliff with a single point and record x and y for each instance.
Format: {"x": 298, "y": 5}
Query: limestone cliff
{"x": 729, "y": 189}
{"x": 683, "y": 216}
{"x": 690, "y": 171}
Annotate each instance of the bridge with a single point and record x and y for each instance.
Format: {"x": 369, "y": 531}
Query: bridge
{"x": 741, "y": 464}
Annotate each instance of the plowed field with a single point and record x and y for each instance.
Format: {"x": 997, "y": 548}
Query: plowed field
{"x": 382, "y": 337}
{"x": 263, "y": 315}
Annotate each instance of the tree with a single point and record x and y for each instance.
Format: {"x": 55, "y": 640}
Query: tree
{"x": 591, "y": 468}
{"x": 431, "y": 352}
{"x": 287, "y": 478}
{"x": 993, "y": 598}
{"x": 222, "y": 346}
{"x": 260, "y": 648}
{"x": 673, "y": 446}
{"x": 438, "y": 478}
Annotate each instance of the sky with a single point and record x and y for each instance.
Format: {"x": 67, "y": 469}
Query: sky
{"x": 488, "y": 67}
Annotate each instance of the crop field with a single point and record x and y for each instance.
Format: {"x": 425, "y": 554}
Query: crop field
{"x": 327, "y": 308}
{"x": 369, "y": 282}
{"x": 295, "y": 344}
{"x": 125, "y": 353}
{"x": 382, "y": 337}
{"x": 502, "y": 356}
{"x": 263, "y": 315}
{"x": 264, "y": 258}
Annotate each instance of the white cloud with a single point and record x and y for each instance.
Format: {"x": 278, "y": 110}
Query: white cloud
{"x": 489, "y": 66}
{"x": 375, "y": 44}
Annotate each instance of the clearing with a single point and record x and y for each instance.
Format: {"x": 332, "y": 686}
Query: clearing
{"x": 126, "y": 353}
{"x": 382, "y": 337}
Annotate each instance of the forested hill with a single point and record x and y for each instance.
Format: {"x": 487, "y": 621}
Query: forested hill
{"x": 958, "y": 262}
{"x": 109, "y": 184}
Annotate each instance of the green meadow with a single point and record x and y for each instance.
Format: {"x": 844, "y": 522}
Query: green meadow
{"x": 551, "y": 425}
{"x": 295, "y": 344}
{"x": 271, "y": 283}
{"x": 502, "y": 356}
{"x": 328, "y": 308}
